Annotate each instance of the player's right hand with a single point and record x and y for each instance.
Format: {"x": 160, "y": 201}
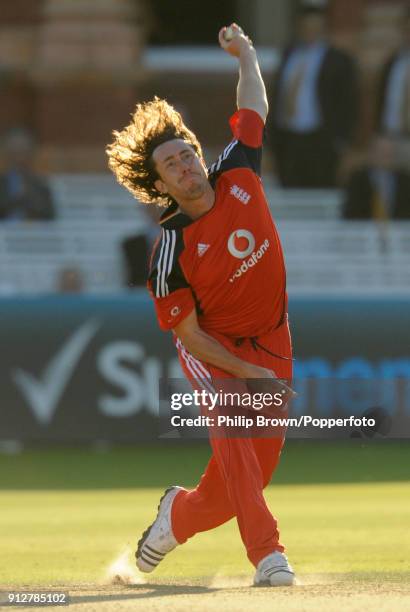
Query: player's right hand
{"x": 238, "y": 43}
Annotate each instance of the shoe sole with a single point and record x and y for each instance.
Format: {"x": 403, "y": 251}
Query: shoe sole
{"x": 145, "y": 535}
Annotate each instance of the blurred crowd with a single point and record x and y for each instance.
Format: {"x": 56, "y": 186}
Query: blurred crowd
{"x": 23, "y": 194}
{"x": 314, "y": 116}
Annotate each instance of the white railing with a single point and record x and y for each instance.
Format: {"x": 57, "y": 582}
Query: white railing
{"x": 323, "y": 254}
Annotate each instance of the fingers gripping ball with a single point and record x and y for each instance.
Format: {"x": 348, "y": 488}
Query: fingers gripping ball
{"x": 230, "y": 32}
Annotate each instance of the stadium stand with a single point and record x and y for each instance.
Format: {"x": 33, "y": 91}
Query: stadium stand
{"x": 324, "y": 254}
{"x": 341, "y": 257}
{"x": 93, "y": 216}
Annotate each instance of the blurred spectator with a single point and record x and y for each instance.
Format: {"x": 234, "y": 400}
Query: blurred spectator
{"x": 136, "y": 255}
{"x": 137, "y": 250}
{"x": 70, "y": 280}
{"x": 23, "y": 194}
{"x": 394, "y": 95}
{"x": 379, "y": 190}
{"x": 315, "y": 105}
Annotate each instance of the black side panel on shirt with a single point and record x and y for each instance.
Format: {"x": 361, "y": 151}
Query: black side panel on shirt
{"x": 166, "y": 274}
{"x": 236, "y": 155}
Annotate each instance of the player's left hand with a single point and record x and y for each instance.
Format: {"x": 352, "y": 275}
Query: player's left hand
{"x": 274, "y": 386}
{"x": 238, "y": 43}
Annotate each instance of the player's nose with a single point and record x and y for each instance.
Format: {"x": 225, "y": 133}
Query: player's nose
{"x": 185, "y": 167}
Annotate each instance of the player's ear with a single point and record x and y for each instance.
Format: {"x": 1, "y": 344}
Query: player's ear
{"x": 160, "y": 186}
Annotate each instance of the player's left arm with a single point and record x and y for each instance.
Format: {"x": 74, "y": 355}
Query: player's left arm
{"x": 251, "y": 92}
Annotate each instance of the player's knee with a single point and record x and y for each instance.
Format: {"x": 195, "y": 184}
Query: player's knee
{"x": 267, "y": 472}
{"x": 266, "y": 478}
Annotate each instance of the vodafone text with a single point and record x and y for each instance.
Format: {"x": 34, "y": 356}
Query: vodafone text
{"x": 251, "y": 261}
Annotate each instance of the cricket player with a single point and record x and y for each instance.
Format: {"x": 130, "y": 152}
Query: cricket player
{"x": 218, "y": 282}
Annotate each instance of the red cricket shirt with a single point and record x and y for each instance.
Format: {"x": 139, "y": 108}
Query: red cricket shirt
{"x": 228, "y": 264}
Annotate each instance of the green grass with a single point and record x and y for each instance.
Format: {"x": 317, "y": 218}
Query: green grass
{"x": 65, "y": 514}
{"x": 129, "y": 467}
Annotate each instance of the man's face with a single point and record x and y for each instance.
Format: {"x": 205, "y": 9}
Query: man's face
{"x": 182, "y": 174}
{"x": 19, "y": 154}
{"x": 311, "y": 27}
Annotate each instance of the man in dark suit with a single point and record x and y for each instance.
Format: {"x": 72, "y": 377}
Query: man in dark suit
{"x": 23, "y": 194}
{"x": 393, "y": 101}
{"x": 137, "y": 248}
{"x": 314, "y": 106}
{"x": 136, "y": 251}
{"x": 379, "y": 190}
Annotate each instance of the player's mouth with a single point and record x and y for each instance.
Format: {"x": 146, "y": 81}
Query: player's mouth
{"x": 189, "y": 176}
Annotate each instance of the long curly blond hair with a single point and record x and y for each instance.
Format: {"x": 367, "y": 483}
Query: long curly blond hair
{"x": 130, "y": 154}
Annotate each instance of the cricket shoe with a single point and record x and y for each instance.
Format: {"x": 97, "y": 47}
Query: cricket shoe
{"x": 158, "y": 539}
{"x": 274, "y": 570}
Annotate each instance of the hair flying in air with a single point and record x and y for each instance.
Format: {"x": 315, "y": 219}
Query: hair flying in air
{"x": 130, "y": 154}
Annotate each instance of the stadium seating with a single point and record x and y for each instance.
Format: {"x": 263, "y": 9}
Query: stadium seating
{"x": 341, "y": 257}
{"x": 323, "y": 253}
{"x": 94, "y": 215}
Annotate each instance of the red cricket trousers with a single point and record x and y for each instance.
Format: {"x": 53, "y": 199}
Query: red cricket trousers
{"x": 239, "y": 469}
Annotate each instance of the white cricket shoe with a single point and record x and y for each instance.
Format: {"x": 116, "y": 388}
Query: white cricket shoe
{"x": 158, "y": 539}
{"x": 274, "y": 570}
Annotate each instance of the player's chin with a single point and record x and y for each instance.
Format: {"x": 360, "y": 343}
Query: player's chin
{"x": 195, "y": 190}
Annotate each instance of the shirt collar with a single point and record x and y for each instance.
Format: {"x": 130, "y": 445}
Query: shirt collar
{"x": 173, "y": 218}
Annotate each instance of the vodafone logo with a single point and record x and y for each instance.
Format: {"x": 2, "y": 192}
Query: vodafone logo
{"x": 244, "y": 250}
{"x": 241, "y": 243}
{"x": 175, "y": 311}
